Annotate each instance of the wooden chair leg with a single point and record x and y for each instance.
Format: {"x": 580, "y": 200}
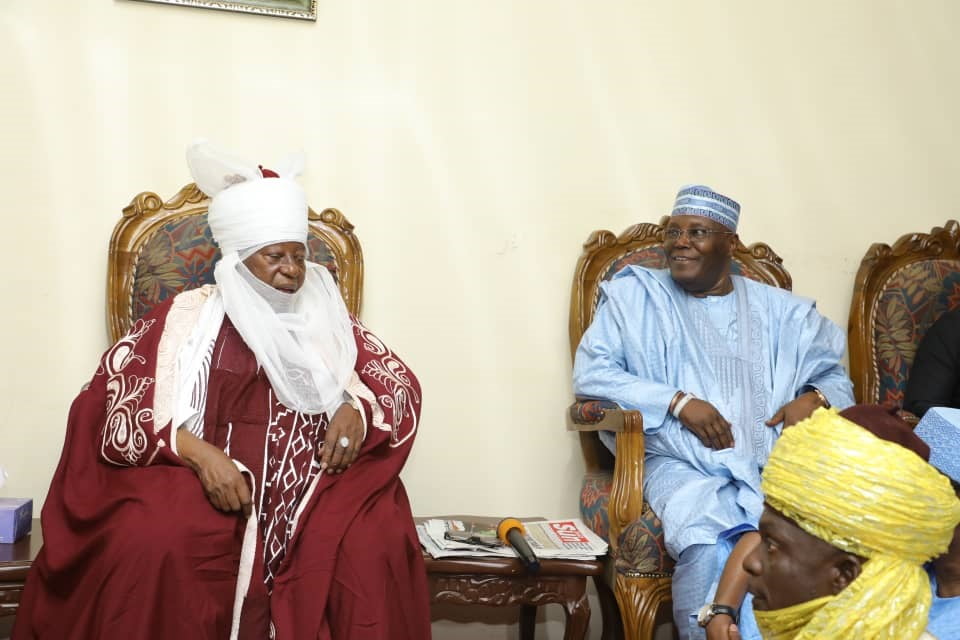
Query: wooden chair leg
{"x": 640, "y": 600}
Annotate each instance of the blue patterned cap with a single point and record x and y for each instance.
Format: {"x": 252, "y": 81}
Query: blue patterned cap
{"x": 699, "y": 200}
{"x": 940, "y": 428}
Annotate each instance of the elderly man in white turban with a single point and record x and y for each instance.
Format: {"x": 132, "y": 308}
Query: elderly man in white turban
{"x": 231, "y": 470}
{"x": 717, "y": 364}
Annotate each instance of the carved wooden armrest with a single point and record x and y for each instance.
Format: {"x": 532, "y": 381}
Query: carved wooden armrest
{"x": 626, "y": 494}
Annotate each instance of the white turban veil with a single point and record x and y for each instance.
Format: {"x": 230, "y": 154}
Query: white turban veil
{"x": 303, "y": 340}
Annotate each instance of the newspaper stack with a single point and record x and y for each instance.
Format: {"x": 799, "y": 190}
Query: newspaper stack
{"x": 566, "y": 539}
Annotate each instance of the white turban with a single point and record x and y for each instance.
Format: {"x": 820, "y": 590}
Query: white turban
{"x": 304, "y": 340}
{"x": 247, "y": 209}
{"x": 258, "y": 211}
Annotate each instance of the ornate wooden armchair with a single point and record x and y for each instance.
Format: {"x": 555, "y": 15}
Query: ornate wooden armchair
{"x": 899, "y": 292}
{"x": 611, "y": 500}
{"x": 159, "y": 249}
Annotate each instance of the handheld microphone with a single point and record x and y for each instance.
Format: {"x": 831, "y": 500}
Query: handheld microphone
{"x": 511, "y": 532}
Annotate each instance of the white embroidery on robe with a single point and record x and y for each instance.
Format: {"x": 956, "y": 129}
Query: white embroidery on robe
{"x": 400, "y": 396}
{"x": 124, "y": 436}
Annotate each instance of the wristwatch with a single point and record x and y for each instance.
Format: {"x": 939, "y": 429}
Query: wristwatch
{"x": 708, "y": 611}
{"x": 822, "y": 398}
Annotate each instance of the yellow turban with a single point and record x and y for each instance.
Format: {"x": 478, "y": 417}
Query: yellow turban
{"x": 872, "y": 498}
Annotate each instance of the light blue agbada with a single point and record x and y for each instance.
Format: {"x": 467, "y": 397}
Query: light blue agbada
{"x": 940, "y": 429}
{"x": 944, "y": 621}
{"x": 747, "y": 353}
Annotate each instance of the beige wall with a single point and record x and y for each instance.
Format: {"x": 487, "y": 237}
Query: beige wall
{"x": 474, "y": 145}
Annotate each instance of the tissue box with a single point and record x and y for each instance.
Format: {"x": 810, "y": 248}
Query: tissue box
{"x": 16, "y": 517}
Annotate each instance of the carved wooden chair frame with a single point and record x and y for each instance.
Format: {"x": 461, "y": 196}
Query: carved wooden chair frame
{"x": 881, "y": 263}
{"x": 147, "y": 213}
{"x": 639, "y": 596}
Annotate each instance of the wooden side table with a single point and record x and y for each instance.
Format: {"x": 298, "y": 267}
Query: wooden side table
{"x": 503, "y": 582}
{"x": 15, "y": 562}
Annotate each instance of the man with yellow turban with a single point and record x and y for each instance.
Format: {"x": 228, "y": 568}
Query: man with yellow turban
{"x": 849, "y": 521}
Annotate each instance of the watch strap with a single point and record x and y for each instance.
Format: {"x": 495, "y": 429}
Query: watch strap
{"x": 725, "y": 609}
{"x": 715, "y": 609}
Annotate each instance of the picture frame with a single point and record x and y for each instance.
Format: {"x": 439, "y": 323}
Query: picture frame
{"x": 300, "y": 9}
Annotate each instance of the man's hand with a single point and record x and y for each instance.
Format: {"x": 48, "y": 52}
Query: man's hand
{"x": 335, "y": 458}
{"x": 720, "y": 628}
{"x": 796, "y": 410}
{"x": 225, "y": 486}
{"x": 706, "y": 423}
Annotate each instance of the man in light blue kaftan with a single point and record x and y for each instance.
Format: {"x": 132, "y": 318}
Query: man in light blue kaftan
{"x": 717, "y": 365}
{"x": 940, "y": 429}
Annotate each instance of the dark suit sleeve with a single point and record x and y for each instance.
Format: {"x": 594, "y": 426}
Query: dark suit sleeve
{"x": 935, "y": 374}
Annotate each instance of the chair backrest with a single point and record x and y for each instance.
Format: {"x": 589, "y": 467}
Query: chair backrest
{"x": 159, "y": 249}
{"x": 899, "y": 292}
{"x": 604, "y": 254}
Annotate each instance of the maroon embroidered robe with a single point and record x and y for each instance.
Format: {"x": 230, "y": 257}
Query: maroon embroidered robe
{"x": 133, "y": 549}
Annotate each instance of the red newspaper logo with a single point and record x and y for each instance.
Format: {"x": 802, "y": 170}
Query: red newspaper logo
{"x": 567, "y": 532}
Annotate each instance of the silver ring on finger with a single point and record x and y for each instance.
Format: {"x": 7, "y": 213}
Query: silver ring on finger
{"x": 344, "y": 442}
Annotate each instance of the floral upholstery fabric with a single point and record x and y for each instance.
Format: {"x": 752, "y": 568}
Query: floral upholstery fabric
{"x": 641, "y": 547}
{"x": 181, "y": 255}
{"x": 912, "y": 300}
{"x": 590, "y": 411}
{"x": 594, "y": 497}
